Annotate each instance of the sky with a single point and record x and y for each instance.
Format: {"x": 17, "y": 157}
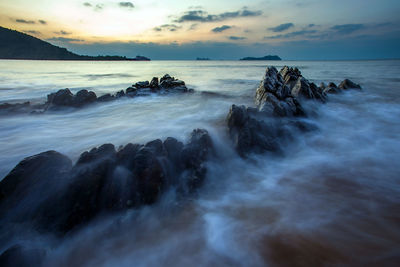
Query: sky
{"x": 223, "y": 29}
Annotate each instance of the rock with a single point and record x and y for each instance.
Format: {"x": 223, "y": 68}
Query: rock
{"x": 120, "y": 94}
{"x": 105, "y": 98}
{"x": 302, "y": 88}
{"x": 131, "y": 91}
{"x": 250, "y": 134}
{"x": 62, "y": 97}
{"x": 194, "y": 155}
{"x": 347, "y": 84}
{"x": 19, "y": 256}
{"x": 102, "y": 180}
{"x": 31, "y": 172}
{"x": 171, "y": 84}
{"x": 18, "y": 107}
{"x": 144, "y": 84}
{"x": 84, "y": 97}
{"x": 273, "y": 96}
{"x": 154, "y": 83}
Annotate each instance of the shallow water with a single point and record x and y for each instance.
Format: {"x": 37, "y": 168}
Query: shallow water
{"x": 333, "y": 198}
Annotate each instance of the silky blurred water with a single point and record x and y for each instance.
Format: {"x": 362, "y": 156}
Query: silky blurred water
{"x": 333, "y": 198}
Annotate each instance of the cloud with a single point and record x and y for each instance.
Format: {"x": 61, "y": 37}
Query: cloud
{"x": 97, "y": 7}
{"x": 167, "y": 27}
{"x": 43, "y": 22}
{"x": 63, "y": 32}
{"x": 64, "y": 40}
{"x": 373, "y": 47}
{"x": 347, "y": 28}
{"x": 221, "y": 29}
{"x": 291, "y": 34}
{"x": 126, "y": 5}
{"x": 23, "y": 21}
{"x": 282, "y": 27}
{"x": 193, "y": 27}
{"x": 236, "y": 38}
{"x": 203, "y": 16}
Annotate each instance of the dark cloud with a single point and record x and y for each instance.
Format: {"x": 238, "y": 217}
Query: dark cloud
{"x": 96, "y": 7}
{"x": 43, "y": 22}
{"x": 282, "y": 27}
{"x": 203, "y": 16}
{"x": 126, "y": 4}
{"x": 347, "y": 28}
{"x": 32, "y": 32}
{"x": 236, "y": 38}
{"x": 193, "y": 27}
{"x": 291, "y": 34}
{"x": 23, "y": 21}
{"x": 167, "y": 27}
{"x": 64, "y": 40}
{"x": 63, "y": 32}
{"x": 221, "y": 29}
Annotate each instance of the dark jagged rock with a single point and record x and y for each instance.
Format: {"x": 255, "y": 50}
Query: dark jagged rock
{"x": 106, "y": 98}
{"x": 154, "y": 83}
{"x": 144, "y": 84}
{"x": 131, "y": 91}
{"x": 274, "y": 97}
{"x": 120, "y": 94}
{"x": 103, "y": 180}
{"x": 65, "y": 98}
{"x": 18, "y": 107}
{"x": 347, "y": 84}
{"x": 256, "y": 130}
{"x": 249, "y": 134}
{"x": 84, "y": 97}
{"x": 33, "y": 171}
{"x": 169, "y": 83}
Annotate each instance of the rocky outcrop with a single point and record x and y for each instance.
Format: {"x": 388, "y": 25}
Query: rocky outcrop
{"x": 103, "y": 180}
{"x": 65, "y": 98}
{"x": 273, "y": 96}
{"x": 347, "y": 84}
{"x": 278, "y": 110}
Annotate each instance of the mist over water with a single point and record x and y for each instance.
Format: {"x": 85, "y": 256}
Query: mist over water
{"x": 333, "y": 197}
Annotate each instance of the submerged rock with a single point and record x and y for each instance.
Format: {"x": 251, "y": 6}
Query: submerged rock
{"x": 347, "y": 84}
{"x": 102, "y": 180}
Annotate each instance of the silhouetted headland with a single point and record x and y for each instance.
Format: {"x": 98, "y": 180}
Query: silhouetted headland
{"x": 18, "y": 45}
{"x": 269, "y": 57}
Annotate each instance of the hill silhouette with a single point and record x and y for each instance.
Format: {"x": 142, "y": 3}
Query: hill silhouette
{"x": 18, "y": 45}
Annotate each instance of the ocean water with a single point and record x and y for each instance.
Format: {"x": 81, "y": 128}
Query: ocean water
{"x": 332, "y": 199}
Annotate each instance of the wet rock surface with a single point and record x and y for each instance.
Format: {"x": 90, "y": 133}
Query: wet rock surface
{"x": 65, "y": 98}
{"x": 279, "y": 99}
{"x": 102, "y": 180}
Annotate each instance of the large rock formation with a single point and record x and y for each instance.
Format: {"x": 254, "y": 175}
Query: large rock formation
{"x": 278, "y": 110}
{"x": 65, "y": 98}
{"x": 102, "y": 180}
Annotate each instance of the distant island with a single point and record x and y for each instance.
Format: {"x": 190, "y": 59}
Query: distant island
{"x": 18, "y": 45}
{"x": 202, "y": 58}
{"x": 269, "y": 57}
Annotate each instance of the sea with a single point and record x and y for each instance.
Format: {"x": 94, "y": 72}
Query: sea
{"x": 332, "y": 199}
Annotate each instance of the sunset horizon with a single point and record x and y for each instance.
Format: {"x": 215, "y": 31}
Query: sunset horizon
{"x": 296, "y": 30}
